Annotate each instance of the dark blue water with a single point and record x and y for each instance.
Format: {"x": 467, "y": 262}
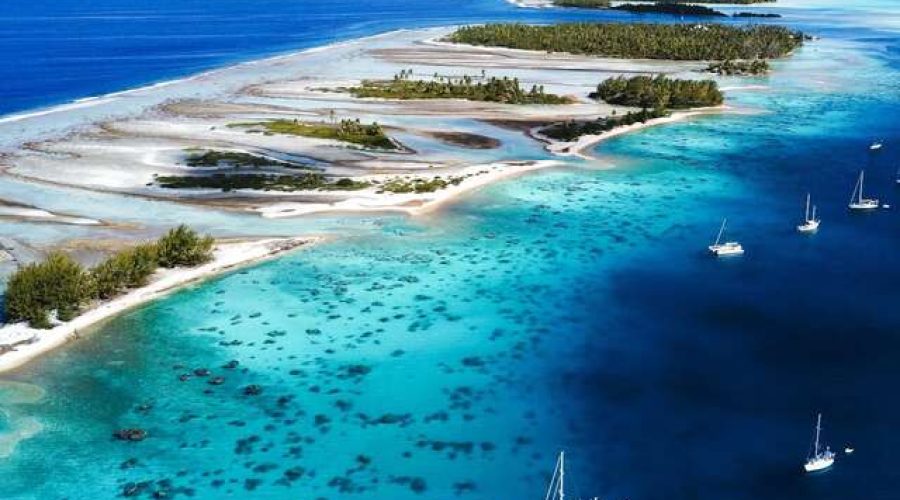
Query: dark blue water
{"x": 58, "y": 51}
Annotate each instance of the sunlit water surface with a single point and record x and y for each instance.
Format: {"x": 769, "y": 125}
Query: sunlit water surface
{"x": 574, "y": 309}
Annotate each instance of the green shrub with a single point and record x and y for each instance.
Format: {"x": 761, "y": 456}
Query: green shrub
{"x": 57, "y": 284}
{"x": 182, "y": 246}
{"x": 129, "y": 268}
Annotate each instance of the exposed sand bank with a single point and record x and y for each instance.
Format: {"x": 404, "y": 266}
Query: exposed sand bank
{"x": 309, "y": 86}
{"x": 20, "y": 343}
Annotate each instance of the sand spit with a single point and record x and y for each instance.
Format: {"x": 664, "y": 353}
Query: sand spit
{"x": 20, "y": 343}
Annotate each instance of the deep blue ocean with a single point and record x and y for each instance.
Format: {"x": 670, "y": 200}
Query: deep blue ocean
{"x": 453, "y": 355}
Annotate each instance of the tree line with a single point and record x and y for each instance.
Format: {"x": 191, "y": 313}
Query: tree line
{"x": 503, "y": 90}
{"x": 659, "y": 92}
{"x": 697, "y": 42}
{"x": 572, "y": 129}
{"x": 62, "y": 286}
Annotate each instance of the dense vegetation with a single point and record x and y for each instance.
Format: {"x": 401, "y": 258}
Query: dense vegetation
{"x": 756, "y": 14}
{"x": 571, "y": 130}
{"x": 61, "y": 285}
{"x": 352, "y": 131}
{"x": 583, "y": 4}
{"x": 710, "y": 42}
{"x": 659, "y": 92}
{"x": 738, "y": 2}
{"x": 755, "y": 67}
{"x": 261, "y": 182}
{"x": 504, "y": 90}
{"x": 236, "y": 159}
{"x": 678, "y": 9}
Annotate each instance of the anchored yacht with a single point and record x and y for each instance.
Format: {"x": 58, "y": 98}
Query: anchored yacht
{"x": 810, "y": 222}
{"x": 857, "y": 200}
{"x": 819, "y": 460}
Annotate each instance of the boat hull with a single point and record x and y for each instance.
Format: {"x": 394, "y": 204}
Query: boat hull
{"x": 818, "y": 464}
{"x": 865, "y": 205}
{"x": 726, "y": 250}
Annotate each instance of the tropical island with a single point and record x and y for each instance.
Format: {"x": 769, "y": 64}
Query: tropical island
{"x": 659, "y": 92}
{"x": 709, "y": 42}
{"x": 656, "y": 96}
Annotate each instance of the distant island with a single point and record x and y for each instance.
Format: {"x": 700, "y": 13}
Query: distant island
{"x": 602, "y": 4}
{"x": 675, "y": 8}
{"x": 709, "y": 42}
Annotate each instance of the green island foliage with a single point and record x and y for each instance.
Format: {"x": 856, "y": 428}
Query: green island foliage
{"x": 572, "y": 130}
{"x": 352, "y": 131}
{"x": 733, "y": 2}
{"x": 212, "y": 158}
{"x": 419, "y": 185}
{"x": 695, "y": 42}
{"x": 61, "y": 285}
{"x": 605, "y": 4}
{"x": 261, "y": 182}
{"x": 769, "y": 15}
{"x": 659, "y": 92}
{"x": 503, "y": 90}
{"x": 583, "y": 4}
{"x": 676, "y": 9}
{"x": 739, "y": 68}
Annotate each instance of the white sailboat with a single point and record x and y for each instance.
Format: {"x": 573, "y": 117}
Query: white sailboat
{"x": 720, "y": 249}
{"x": 857, "y": 200}
{"x": 557, "y": 488}
{"x": 810, "y": 223}
{"x": 820, "y": 459}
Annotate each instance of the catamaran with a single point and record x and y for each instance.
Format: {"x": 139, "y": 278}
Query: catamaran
{"x": 857, "y": 200}
{"x": 720, "y": 249}
{"x": 820, "y": 459}
{"x": 810, "y": 223}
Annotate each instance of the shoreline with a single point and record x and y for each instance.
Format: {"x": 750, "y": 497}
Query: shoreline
{"x": 579, "y": 148}
{"x": 26, "y": 343}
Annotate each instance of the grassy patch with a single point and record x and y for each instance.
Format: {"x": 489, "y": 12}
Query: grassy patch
{"x": 352, "y": 131}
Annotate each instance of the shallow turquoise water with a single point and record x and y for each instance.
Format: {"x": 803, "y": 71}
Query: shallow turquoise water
{"x": 454, "y": 355}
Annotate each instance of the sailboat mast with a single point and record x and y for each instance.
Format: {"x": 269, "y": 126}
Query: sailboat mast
{"x": 807, "y": 208}
{"x": 721, "y": 231}
{"x": 562, "y": 475}
{"x": 818, "y": 430}
{"x": 862, "y": 177}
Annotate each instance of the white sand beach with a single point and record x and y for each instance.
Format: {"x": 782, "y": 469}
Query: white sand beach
{"x": 21, "y": 343}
